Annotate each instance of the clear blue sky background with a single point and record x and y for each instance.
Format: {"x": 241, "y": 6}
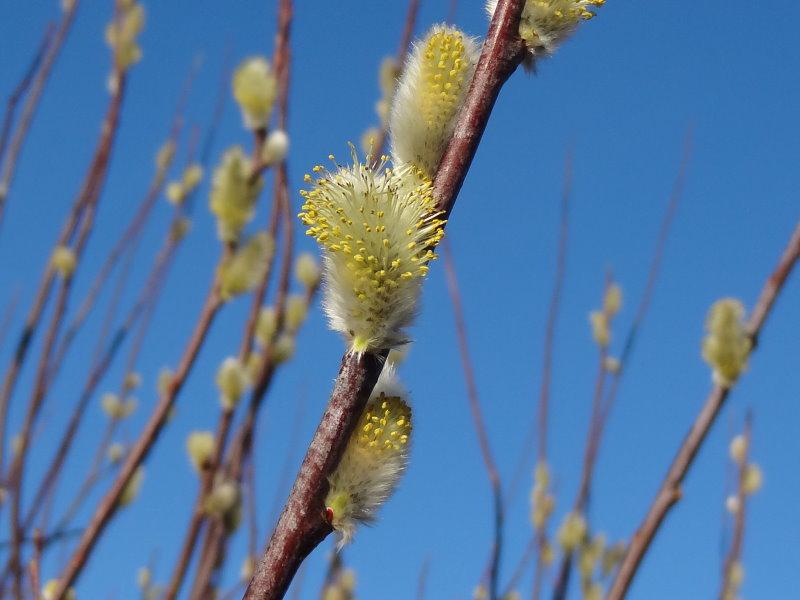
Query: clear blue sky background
{"x": 622, "y": 94}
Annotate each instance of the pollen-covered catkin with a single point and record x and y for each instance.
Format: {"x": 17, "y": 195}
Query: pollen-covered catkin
{"x": 546, "y": 24}
{"x": 374, "y": 460}
{"x": 430, "y": 93}
{"x": 378, "y": 229}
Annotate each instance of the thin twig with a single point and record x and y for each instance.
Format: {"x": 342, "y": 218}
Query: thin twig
{"x": 32, "y": 102}
{"x": 130, "y": 237}
{"x": 737, "y": 542}
{"x": 670, "y": 492}
{"x": 22, "y": 87}
{"x": 302, "y": 524}
{"x": 477, "y": 419}
{"x": 422, "y": 578}
{"x": 402, "y": 51}
{"x": 539, "y": 431}
{"x": 141, "y": 448}
{"x": 90, "y": 196}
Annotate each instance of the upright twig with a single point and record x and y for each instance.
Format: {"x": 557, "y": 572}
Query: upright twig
{"x": 88, "y": 200}
{"x": 32, "y": 102}
{"x": 379, "y": 142}
{"x": 539, "y": 431}
{"x": 670, "y": 492}
{"x": 19, "y": 91}
{"x": 141, "y": 448}
{"x": 477, "y": 418}
{"x": 302, "y": 525}
{"x": 734, "y": 554}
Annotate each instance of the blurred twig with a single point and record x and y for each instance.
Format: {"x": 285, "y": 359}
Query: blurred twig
{"x": 734, "y": 554}
{"x": 670, "y": 492}
{"x": 32, "y": 102}
{"x": 477, "y": 418}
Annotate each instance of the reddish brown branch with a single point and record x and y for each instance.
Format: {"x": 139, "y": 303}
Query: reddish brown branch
{"x": 302, "y": 524}
{"x": 477, "y": 418}
{"x": 670, "y": 492}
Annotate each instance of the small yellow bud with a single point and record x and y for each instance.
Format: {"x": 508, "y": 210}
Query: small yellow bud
{"x": 192, "y": 177}
{"x": 283, "y": 349}
{"x": 541, "y": 474}
{"x": 306, "y": 270}
{"x": 144, "y": 578}
{"x": 175, "y": 193}
{"x": 132, "y": 488}
{"x": 732, "y": 504}
{"x": 480, "y": 593}
{"x": 180, "y": 227}
{"x": 223, "y": 498}
{"x": 247, "y": 569}
{"x": 601, "y": 332}
{"x": 242, "y": 271}
{"x": 612, "y": 556}
{"x": 201, "y": 446}
{"x": 612, "y": 301}
{"x": 275, "y": 148}
{"x": 572, "y": 531}
{"x": 132, "y": 381}
{"x": 165, "y": 155}
{"x": 64, "y": 261}
{"x": 266, "y": 326}
{"x": 115, "y": 453}
{"x": 254, "y": 363}
{"x": 387, "y": 76}
{"x": 548, "y": 554}
{"x": 164, "y": 380}
{"x": 49, "y": 591}
{"x": 753, "y": 479}
{"x": 738, "y": 449}
{"x": 612, "y": 365}
{"x": 232, "y": 381}
{"x": 594, "y": 591}
{"x": 254, "y": 88}
{"x": 296, "y": 311}
{"x": 116, "y": 408}
{"x": 735, "y": 575}
{"x": 727, "y": 346}
{"x": 122, "y": 31}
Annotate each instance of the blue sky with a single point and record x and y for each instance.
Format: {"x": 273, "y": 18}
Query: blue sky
{"x": 622, "y": 95}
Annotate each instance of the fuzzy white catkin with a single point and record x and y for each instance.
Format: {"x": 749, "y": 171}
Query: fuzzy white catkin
{"x": 429, "y": 95}
{"x": 374, "y": 460}
{"x": 378, "y": 229}
{"x": 546, "y": 24}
